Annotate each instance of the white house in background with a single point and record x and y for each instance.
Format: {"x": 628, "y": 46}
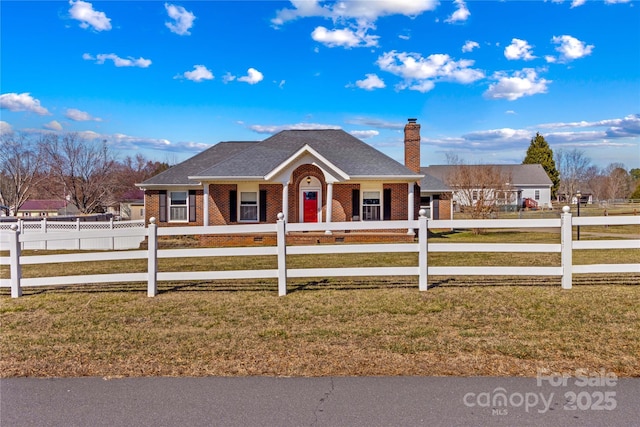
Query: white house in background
{"x": 527, "y": 183}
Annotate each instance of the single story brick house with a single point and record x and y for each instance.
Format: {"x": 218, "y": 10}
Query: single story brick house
{"x": 318, "y": 176}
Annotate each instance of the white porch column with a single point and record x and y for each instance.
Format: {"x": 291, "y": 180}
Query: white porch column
{"x": 285, "y": 200}
{"x": 205, "y": 205}
{"x": 410, "y": 205}
{"x": 329, "y": 203}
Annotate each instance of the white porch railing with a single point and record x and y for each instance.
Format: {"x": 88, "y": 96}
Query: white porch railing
{"x": 14, "y": 241}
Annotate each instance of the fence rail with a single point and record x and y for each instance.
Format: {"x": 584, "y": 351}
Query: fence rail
{"x": 14, "y": 240}
{"x": 73, "y": 235}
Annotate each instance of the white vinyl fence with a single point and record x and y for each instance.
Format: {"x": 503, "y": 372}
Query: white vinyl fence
{"x": 78, "y": 241}
{"x": 14, "y": 240}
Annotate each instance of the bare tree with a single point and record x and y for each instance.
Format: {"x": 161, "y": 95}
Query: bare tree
{"x": 84, "y": 168}
{"x": 480, "y": 189}
{"x": 618, "y": 181}
{"x": 574, "y": 167}
{"x": 20, "y": 167}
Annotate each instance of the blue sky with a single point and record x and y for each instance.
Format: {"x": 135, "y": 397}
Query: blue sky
{"x": 168, "y": 79}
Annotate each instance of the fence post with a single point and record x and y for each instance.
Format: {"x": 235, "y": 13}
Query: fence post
{"x": 43, "y": 229}
{"x": 14, "y": 256}
{"x": 21, "y": 230}
{"x": 567, "y": 247}
{"x": 422, "y": 250}
{"x": 112, "y": 243}
{"x": 78, "y": 245}
{"x": 152, "y": 258}
{"x": 282, "y": 255}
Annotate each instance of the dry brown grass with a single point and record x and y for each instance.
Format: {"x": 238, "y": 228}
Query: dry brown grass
{"x": 360, "y": 327}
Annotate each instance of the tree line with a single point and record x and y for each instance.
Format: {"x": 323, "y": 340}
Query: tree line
{"x": 571, "y": 171}
{"x": 86, "y": 173}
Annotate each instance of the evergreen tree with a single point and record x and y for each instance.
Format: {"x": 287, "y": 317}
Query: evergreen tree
{"x": 540, "y": 153}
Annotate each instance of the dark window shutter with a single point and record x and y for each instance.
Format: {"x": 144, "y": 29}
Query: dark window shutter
{"x": 436, "y": 207}
{"x": 263, "y": 205}
{"x": 192, "y": 205}
{"x": 386, "y": 209}
{"x": 233, "y": 206}
{"x": 162, "y": 205}
{"x": 355, "y": 202}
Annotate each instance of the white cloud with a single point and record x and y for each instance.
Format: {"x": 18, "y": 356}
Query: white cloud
{"x": 22, "y": 102}
{"x": 88, "y": 17}
{"x": 504, "y": 135}
{"x": 377, "y": 123}
{"x": 469, "y": 45}
{"x": 461, "y": 14}
{"x": 273, "y": 129}
{"x": 354, "y": 9}
{"x": 421, "y": 73}
{"x": 364, "y": 134}
{"x": 5, "y": 128}
{"x": 199, "y": 73}
{"x": 571, "y": 48}
{"x": 227, "y": 78}
{"x": 183, "y": 19}
{"x": 253, "y": 76}
{"x": 117, "y": 61}
{"x": 347, "y": 38}
{"x": 628, "y": 126}
{"x": 576, "y": 3}
{"x": 80, "y": 116}
{"x": 518, "y": 49}
{"x": 371, "y": 82}
{"x": 521, "y": 83}
{"x": 421, "y": 86}
{"x": 53, "y": 125}
{"x": 616, "y": 1}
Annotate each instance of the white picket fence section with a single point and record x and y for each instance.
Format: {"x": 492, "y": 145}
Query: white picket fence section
{"x": 79, "y": 242}
{"x": 14, "y": 241}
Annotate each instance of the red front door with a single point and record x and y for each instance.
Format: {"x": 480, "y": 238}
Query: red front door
{"x": 310, "y": 206}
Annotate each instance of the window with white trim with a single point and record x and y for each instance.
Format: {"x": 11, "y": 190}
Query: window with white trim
{"x": 537, "y": 195}
{"x": 371, "y": 206}
{"x": 178, "y": 206}
{"x": 248, "y": 206}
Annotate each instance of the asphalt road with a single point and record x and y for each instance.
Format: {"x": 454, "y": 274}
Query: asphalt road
{"x": 327, "y": 401}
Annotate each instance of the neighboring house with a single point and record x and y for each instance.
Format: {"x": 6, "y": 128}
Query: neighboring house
{"x": 309, "y": 175}
{"x": 45, "y": 208}
{"x": 130, "y": 206}
{"x": 526, "y": 183}
{"x": 436, "y": 197}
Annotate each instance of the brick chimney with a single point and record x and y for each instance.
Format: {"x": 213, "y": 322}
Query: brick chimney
{"x": 412, "y": 145}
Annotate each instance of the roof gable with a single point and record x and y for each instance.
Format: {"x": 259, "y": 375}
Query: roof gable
{"x": 343, "y": 153}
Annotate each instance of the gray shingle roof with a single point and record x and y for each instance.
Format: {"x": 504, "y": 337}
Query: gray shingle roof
{"x": 431, "y": 184}
{"x": 346, "y": 152}
{"x": 521, "y": 175}
{"x": 257, "y": 159}
{"x": 178, "y": 174}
